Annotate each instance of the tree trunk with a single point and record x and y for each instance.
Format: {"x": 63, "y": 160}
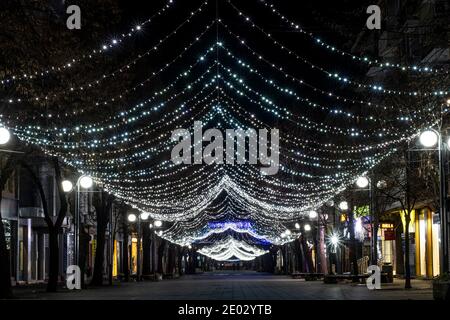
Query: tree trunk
{"x": 83, "y": 252}
{"x": 102, "y": 209}
{"x": 146, "y": 251}
{"x": 54, "y": 260}
{"x": 399, "y": 253}
{"x": 322, "y": 254}
{"x": 307, "y": 255}
{"x": 352, "y": 253}
{"x": 180, "y": 253}
{"x": 161, "y": 250}
{"x": 375, "y": 242}
{"x": 407, "y": 249}
{"x": 97, "y": 277}
{"x": 125, "y": 258}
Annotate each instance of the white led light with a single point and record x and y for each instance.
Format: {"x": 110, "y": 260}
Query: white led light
{"x": 67, "y": 186}
{"x": 5, "y": 136}
{"x": 86, "y": 182}
{"x": 428, "y": 138}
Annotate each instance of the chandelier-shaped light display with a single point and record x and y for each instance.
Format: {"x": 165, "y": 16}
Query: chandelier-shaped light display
{"x": 232, "y": 248}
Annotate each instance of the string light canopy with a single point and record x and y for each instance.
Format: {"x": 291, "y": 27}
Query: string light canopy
{"x": 328, "y": 139}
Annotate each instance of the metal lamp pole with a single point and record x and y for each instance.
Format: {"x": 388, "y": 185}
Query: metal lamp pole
{"x": 428, "y": 141}
{"x": 138, "y": 269}
{"x": 443, "y": 205}
{"x": 88, "y": 185}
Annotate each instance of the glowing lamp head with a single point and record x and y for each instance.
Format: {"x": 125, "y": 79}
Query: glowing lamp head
{"x": 307, "y": 227}
{"x": 362, "y": 182}
{"x": 67, "y": 186}
{"x": 288, "y": 232}
{"x": 312, "y": 214}
{"x": 158, "y": 223}
{"x": 5, "y": 136}
{"x": 132, "y": 217}
{"x": 86, "y": 182}
{"x": 144, "y": 216}
{"x": 343, "y": 206}
{"x": 428, "y": 138}
{"x": 297, "y": 226}
{"x": 382, "y": 184}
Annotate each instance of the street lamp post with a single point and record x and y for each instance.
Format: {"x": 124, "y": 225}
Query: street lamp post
{"x": 84, "y": 182}
{"x": 139, "y": 218}
{"x": 156, "y": 225}
{"x": 430, "y": 138}
{"x": 365, "y": 183}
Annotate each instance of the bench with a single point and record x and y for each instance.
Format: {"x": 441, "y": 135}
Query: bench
{"x": 334, "y": 278}
{"x": 307, "y": 276}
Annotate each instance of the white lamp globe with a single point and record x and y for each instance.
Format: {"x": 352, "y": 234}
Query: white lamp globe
{"x": 297, "y": 225}
{"x": 288, "y": 232}
{"x": 67, "y": 186}
{"x": 312, "y": 214}
{"x": 144, "y": 216}
{"x": 157, "y": 223}
{"x": 362, "y": 182}
{"x": 5, "y": 136}
{"x": 343, "y": 206}
{"x": 86, "y": 182}
{"x": 150, "y": 225}
{"x": 382, "y": 184}
{"x": 307, "y": 227}
{"x": 132, "y": 217}
{"x": 428, "y": 138}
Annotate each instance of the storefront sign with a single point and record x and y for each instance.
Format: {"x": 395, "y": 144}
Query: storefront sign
{"x": 389, "y": 234}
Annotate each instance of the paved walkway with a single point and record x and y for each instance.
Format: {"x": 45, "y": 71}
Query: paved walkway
{"x": 238, "y": 286}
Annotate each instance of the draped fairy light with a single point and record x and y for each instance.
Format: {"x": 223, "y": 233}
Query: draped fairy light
{"x": 335, "y": 50}
{"x": 335, "y": 76}
{"x": 154, "y": 48}
{"x": 230, "y": 248}
{"x": 320, "y": 156}
{"x": 105, "y": 46}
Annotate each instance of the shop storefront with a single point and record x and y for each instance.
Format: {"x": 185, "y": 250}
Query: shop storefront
{"x": 424, "y": 232}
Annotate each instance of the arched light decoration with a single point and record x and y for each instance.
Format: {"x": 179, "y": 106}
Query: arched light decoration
{"x": 5, "y": 135}
{"x": 67, "y": 186}
{"x": 230, "y": 248}
{"x": 428, "y": 138}
{"x": 86, "y": 182}
{"x": 313, "y": 214}
{"x": 343, "y": 205}
{"x": 362, "y": 182}
{"x": 132, "y": 217}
